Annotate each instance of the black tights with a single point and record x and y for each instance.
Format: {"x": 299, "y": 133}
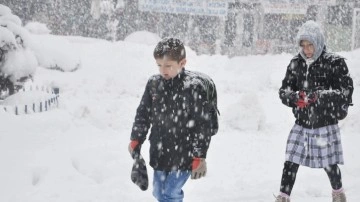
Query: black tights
{"x": 289, "y": 176}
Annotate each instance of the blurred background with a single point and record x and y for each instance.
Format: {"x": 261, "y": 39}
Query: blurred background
{"x": 227, "y": 27}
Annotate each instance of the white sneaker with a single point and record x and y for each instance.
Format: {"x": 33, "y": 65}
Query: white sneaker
{"x": 282, "y": 198}
{"x": 338, "y": 196}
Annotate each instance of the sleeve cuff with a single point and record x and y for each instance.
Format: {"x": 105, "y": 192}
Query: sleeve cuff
{"x": 199, "y": 153}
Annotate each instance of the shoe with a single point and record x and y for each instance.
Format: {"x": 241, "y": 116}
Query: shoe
{"x": 338, "y": 196}
{"x": 282, "y": 198}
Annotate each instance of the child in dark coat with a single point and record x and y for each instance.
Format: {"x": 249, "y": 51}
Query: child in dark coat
{"x": 318, "y": 88}
{"x": 179, "y": 108}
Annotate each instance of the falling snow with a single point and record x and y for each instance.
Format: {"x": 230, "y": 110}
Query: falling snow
{"x": 78, "y": 152}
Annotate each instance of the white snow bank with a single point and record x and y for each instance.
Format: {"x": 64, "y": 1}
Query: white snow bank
{"x": 4, "y": 10}
{"x": 54, "y": 52}
{"x": 143, "y": 37}
{"x": 37, "y": 28}
{"x": 27, "y": 98}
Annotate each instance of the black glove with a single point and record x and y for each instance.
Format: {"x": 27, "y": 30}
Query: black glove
{"x": 139, "y": 174}
{"x": 342, "y": 111}
{"x": 293, "y": 97}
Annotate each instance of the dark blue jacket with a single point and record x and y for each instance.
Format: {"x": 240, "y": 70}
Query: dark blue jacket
{"x": 329, "y": 78}
{"x": 180, "y": 117}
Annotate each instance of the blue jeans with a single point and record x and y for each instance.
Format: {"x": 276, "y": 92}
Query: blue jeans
{"x": 168, "y": 185}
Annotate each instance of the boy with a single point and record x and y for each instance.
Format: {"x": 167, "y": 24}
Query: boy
{"x": 180, "y": 106}
{"x": 318, "y": 88}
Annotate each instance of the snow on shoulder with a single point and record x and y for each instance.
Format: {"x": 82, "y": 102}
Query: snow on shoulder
{"x": 198, "y": 78}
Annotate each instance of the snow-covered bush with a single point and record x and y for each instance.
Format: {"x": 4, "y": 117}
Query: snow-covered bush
{"x": 17, "y": 61}
{"x": 56, "y": 53}
{"x": 52, "y": 52}
{"x": 23, "y": 49}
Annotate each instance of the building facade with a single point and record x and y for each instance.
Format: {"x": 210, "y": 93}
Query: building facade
{"x": 231, "y": 27}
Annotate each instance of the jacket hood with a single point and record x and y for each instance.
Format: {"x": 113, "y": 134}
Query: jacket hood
{"x": 312, "y": 32}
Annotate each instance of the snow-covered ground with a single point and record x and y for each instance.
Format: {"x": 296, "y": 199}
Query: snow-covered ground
{"x": 78, "y": 151}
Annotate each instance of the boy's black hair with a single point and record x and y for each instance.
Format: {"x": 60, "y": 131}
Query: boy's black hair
{"x": 170, "y": 47}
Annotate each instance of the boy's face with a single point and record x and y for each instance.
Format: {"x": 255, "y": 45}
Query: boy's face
{"x": 308, "y": 48}
{"x": 169, "y": 68}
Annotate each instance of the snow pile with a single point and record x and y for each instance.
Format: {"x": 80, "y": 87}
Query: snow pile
{"x": 51, "y": 51}
{"x": 55, "y": 52}
{"x": 26, "y": 98}
{"x": 6, "y": 15}
{"x": 143, "y": 37}
{"x": 37, "y": 28}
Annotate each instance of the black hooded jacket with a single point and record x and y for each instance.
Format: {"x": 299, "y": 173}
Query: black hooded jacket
{"x": 329, "y": 78}
{"x": 179, "y": 115}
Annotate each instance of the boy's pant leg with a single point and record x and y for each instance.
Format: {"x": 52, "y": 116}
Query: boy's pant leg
{"x": 168, "y": 185}
{"x": 159, "y": 185}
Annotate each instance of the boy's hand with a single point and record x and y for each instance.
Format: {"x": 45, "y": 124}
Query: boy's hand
{"x": 198, "y": 168}
{"x": 134, "y": 148}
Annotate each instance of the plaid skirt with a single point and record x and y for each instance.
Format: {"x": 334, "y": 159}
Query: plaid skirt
{"x": 315, "y": 148}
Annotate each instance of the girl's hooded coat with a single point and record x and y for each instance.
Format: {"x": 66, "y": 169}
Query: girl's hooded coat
{"x": 325, "y": 74}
